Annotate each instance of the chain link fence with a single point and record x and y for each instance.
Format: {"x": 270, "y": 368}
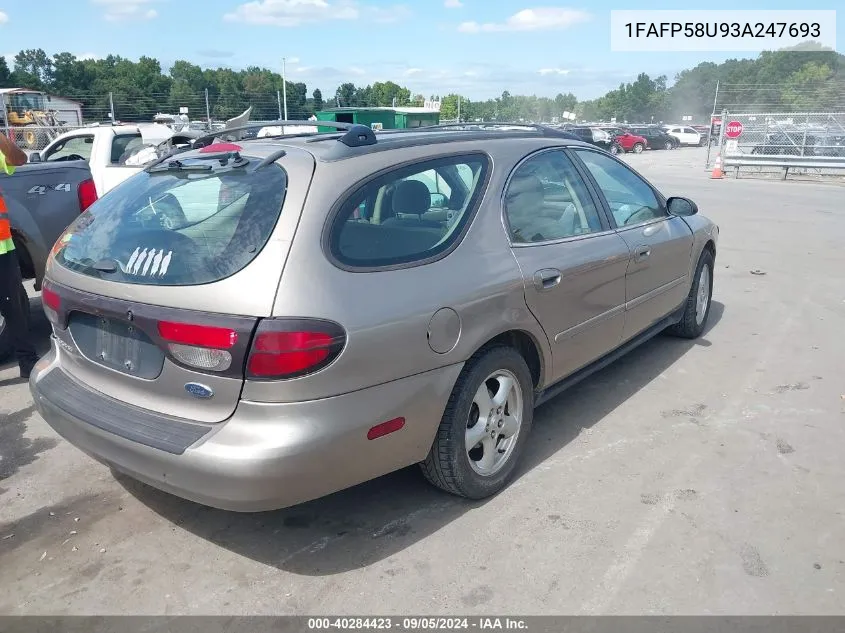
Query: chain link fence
{"x": 772, "y": 142}
{"x": 206, "y": 110}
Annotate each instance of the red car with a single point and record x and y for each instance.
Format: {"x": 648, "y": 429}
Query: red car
{"x": 624, "y": 141}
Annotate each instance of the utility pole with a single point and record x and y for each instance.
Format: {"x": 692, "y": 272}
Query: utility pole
{"x": 710, "y": 131}
{"x": 284, "y": 89}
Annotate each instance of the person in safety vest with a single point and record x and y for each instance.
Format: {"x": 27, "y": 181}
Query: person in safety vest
{"x": 12, "y": 294}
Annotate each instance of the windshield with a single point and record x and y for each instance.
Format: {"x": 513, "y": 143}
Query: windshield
{"x": 176, "y": 227}
{"x": 27, "y": 101}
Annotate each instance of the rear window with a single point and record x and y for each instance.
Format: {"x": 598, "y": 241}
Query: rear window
{"x": 176, "y": 228}
{"x": 409, "y": 215}
{"x": 123, "y": 146}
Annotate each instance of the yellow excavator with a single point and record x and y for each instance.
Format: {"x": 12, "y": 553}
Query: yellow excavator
{"x": 26, "y": 112}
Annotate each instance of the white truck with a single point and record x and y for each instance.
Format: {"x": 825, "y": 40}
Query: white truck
{"x": 105, "y": 148}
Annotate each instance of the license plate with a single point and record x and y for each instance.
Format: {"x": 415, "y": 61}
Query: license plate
{"x": 116, "y": 344}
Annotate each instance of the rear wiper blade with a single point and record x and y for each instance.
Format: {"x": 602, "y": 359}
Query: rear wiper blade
{"x": 176, "y": 165}
{"x": 105, "y": 266}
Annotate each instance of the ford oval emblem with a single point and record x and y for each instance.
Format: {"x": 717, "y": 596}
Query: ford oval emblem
{"x": 198, "y": 390}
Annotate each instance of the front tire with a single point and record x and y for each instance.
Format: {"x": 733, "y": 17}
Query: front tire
{"x": 485, "y": 426}
{"x": 638, "y": 148}
{"x": 699, "y": 300}
{"x": 669, "y": 145}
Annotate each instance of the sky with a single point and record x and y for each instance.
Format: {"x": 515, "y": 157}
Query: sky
{"x": 477, "y": 48}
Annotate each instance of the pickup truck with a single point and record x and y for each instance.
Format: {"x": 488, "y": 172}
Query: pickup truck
{"x": 105, "y": 149}
{"x": 43, "y": 199}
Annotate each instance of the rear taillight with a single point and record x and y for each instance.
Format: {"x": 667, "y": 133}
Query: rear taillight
{"x": 51, "y": 301}
{"x": 290, "y": 348}
{"x": 200, "y": 346}
{"x": 87, "y": 193}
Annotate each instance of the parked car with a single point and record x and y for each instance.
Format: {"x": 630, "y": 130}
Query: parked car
{"x": 114, "y": 153}
{"x": 829, "y": 144}
{"x": 625, "y": 141}
{"x": 42, "y": 201}
{"x": 103, "y": 148}
{"x": 655, "y": 137}
{"x": 685, "y": 134}
{"x": 267, "y": 321}
{"x": 787, "y": 143}
{"x": 592, "y": 135}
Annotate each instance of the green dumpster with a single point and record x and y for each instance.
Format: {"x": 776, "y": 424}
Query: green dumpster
{"x": 380, "y": 118}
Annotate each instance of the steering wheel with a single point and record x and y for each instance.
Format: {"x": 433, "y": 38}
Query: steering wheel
{"x": 70, "y": 157}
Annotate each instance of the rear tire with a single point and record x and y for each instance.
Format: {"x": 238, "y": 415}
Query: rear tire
{"x": 6, "y": 349}
{"x": 616, "y": 149}
{"x": 484, "y": 469}
{"x": 699, "y": 300}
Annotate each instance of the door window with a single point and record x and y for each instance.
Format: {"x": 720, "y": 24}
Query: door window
{"x": 630, "y": 198}
{"x": 547, "y": 199}
{"x": 73, "y": 148}
{"x": 409, "y": 215}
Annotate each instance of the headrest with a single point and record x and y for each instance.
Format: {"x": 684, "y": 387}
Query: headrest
{"x": 525, "y": 194}
{"x": 411, "y": 196}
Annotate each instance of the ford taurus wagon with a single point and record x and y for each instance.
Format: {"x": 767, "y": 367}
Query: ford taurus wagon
{"x": 251, "y": 324}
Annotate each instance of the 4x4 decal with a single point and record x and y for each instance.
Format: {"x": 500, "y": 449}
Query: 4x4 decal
{"x": 42, "y": 189}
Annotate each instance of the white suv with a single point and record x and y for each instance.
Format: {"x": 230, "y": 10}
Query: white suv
{"x": 685, "y": 134}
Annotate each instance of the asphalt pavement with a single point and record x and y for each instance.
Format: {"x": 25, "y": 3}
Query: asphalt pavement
{"x": 691, "y": 477}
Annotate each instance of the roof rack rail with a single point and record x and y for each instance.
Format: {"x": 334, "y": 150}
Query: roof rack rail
{"x": 355, "y": 135}
{"x": 544, "y": 130}
{"x": 251, "y": 126}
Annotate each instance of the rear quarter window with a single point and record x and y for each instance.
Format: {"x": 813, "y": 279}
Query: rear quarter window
{"x": 413, "y": 214}
{"x": 176, "y": 229}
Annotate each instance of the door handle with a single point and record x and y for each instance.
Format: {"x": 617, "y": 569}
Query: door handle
{"x": 641, "y": 253}
{"x": 546, "y": 279}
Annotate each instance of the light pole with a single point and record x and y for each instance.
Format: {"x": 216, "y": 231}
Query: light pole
{"x": 284, "y": 89}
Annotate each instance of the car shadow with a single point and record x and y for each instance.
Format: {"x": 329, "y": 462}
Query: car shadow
{"x": 373, "y": 521}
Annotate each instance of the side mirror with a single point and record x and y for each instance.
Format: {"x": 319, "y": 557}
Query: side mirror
{"x": 35, "y": 157}
{"x": 681, "y": 206}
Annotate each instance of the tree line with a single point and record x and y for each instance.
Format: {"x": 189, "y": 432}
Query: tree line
{"x": 775, "y": 81}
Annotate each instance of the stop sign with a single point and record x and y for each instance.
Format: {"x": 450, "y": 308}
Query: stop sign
{"x": 734, "y": 129}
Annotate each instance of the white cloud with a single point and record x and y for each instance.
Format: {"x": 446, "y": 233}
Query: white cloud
{"x": 122, "y": 10}
{"x": 413, "y": 71}
{"x": 3, "y": 18}
{"x": 88, "y": 56}
{"x": 453, "y": 4}
{"x": 293, "y": 60}
{"x": 287, "y": 13}
{"x": 291, "y": 13}
{"x": 553, "y": 71}
{"x": 541, "y": 19}
{"x": 355, "y": 70}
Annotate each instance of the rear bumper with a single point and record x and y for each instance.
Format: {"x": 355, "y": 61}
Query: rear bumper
{"x": 267, "y": 456}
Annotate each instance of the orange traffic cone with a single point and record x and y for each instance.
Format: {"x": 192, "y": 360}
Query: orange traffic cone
{"x": 717, "y": 168}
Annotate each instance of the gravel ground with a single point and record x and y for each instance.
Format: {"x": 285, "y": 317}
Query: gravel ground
{"x": 700, "y": 477}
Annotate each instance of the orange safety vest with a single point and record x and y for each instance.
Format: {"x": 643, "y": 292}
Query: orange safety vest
{"x": 6, "y": 243}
